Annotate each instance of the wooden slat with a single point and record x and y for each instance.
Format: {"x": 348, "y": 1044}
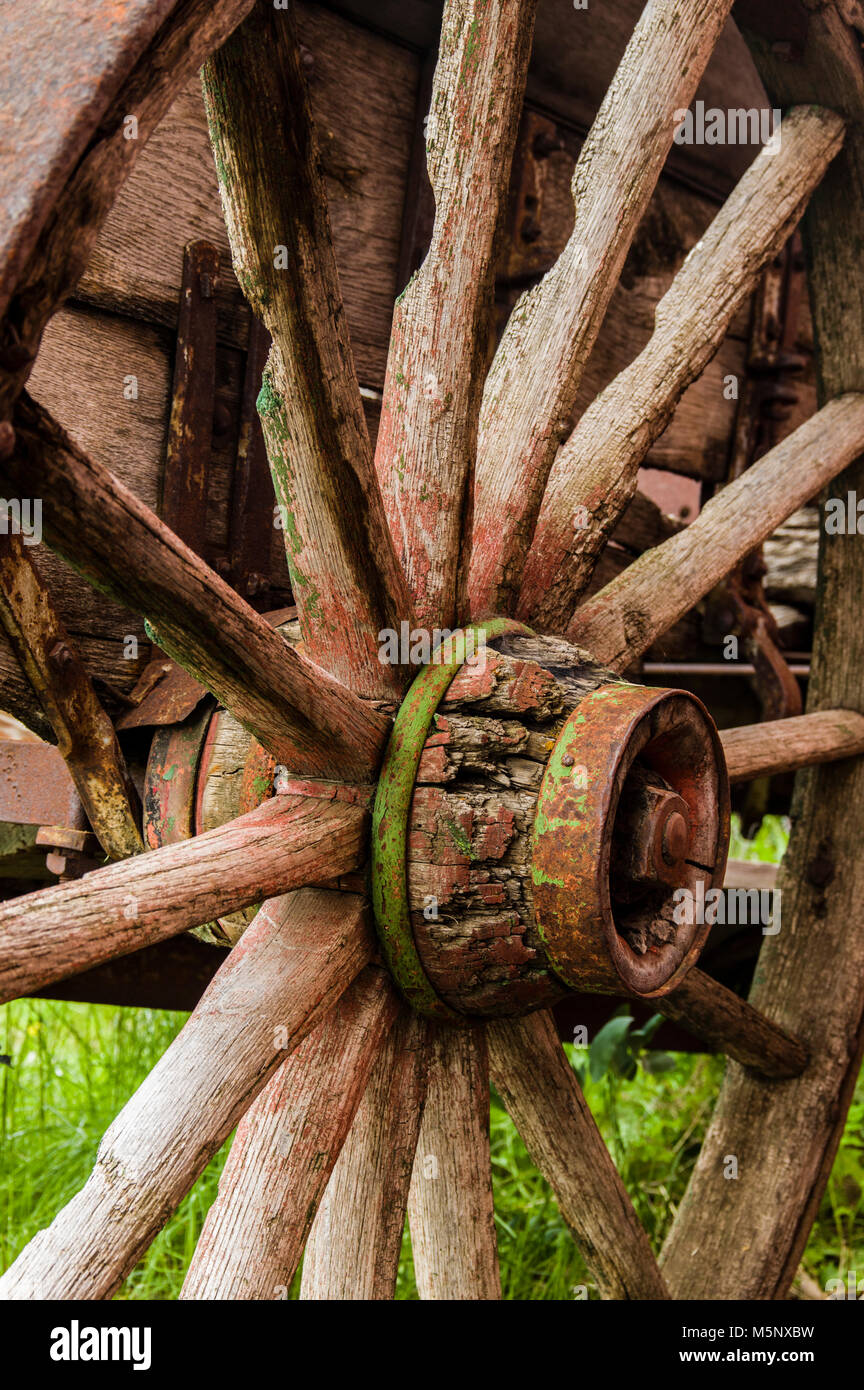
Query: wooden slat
{"x": 80, "y": 190}
{"x": 438, "y": 348}
{"x": 305, "y": 718}
{"x": 285, "y": 1148}
{"x": 729, "y": 1024}
{"x": 784, "y": 745}
{"x": 810, "y": 977}
{"x": 597, "y": 470}
{"x": 299, "y": 956}
{"x": 285, "y": 843}
{"x": 540, "y": 1090}
{"x": 450, "y": 1200}
{"x": 346, "y": 578}
{"x": 532, "y": 386}
{"x": 356, "y": 1239}
{"x": 623, "y": 620}
{"x": 85, "y": 734}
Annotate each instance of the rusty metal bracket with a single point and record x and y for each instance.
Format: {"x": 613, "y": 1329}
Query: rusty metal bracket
{"x": 390, "y": 819}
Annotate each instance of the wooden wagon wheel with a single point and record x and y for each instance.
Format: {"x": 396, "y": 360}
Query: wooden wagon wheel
{"x": 575, "y": 802}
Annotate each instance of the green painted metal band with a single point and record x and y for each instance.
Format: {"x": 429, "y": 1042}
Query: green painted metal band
{"x": 390, "y": 817}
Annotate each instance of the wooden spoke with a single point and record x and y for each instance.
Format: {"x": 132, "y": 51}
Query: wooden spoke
{"x": 85, "y": 734}
{"x": 784, "y": 745}
{"x": 285, "y": 843}
{"x": 728, "y": 1024}
{"x": 540, "y": 1090}
{"x": 356, "y": 1237}
{"x": 810, "y": 976}
{"x": 450, "y": 1199}
{"x": 428, "y": 434}
{"x": 345, "y": 574}
{"x": 297, "y": 958}
{"x": 533, "y": 383}
{"x": 285, "y": 1148}
{"x": 620, "y": 622}
{"x": 309, "y": 721}
{"x": 158, "y": 47}
{"x": 597, "y": 469}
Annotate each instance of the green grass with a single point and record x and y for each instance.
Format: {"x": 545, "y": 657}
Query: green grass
{"x": 72, "y": 1067}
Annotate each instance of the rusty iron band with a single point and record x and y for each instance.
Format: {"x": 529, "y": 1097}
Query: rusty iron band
{"x": 390, "y": 816}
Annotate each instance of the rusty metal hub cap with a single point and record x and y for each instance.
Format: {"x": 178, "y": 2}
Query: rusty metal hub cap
{"x": 633, "y": 816}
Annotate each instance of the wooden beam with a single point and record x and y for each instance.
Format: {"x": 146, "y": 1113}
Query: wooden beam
{"x": 621, "y": 622}
{"x": 347, "y": 580}
{"x": 532, "y": 386}
{"x": 540, "y": 1090}
{"x": 438, "y": 346}
{"x": 85, "y": 734}
{"x": 729, "y": 1024}
{"x": 181, "y": 38}
{"x": 356, "y": 1238}
{"x": 309, "y": 721}
{"x": 298, "y": 957}
{"x": 784, "y": 745}
{"x": 285, "y": 843}
{"x": 810, "y": 977}
{"x": 594, "y": 475}
{"x": 450, "y": 1199}
{"x": 285, "y": 1148}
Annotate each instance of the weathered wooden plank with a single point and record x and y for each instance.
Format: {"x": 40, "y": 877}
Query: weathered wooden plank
{"x": 620, "y": 622}
{"x": 784, "y": 745}
{"x": 810, "y": 977}
{"x": 596, "y": 471}
{"x": 347, "y": 580}
{"x": 308, "y": 720}
{"x": 540, "y": 1090}
{"x": 82, "y": 195}
{"x": 534, "y": 379}
{"x": 285, "y": 843}
{"x": 728, "y": 1024}
{"x": 356, "y": 1238}
{"x": 438, "y": 344}
{"x": 450, "y": 1199}
{"x": 77, "y": 63}
{"x": 362, "y": 89}
{"x": 285, "y": 1148}
{"x": 299, "y": 957}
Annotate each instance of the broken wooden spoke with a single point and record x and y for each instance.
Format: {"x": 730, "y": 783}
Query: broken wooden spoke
{"x": 594, "y": 475}
{"x": 531, "y": 390}
{"x": 285, "y": 843}
{"x": 85, "y": 734}
{"x": 285, "y": 1148}
{"x": 450, "y": 1200}
{"x": 729, "y": 1024}
{"x": 356, "y": 1238}
{"x": 784, "y": 745}
{"x": 539, "y": 1088}
{"x": 55, "y": 239}
{"x": 309, "y": 721}
{"x": 346, "y": 577}
{"x": 298, "y": 957}
{"x": 438, "y": 347}
{"x": 621, "y": 622}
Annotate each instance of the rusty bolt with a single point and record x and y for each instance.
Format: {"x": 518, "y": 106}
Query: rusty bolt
{"x": 568, "y": 760}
